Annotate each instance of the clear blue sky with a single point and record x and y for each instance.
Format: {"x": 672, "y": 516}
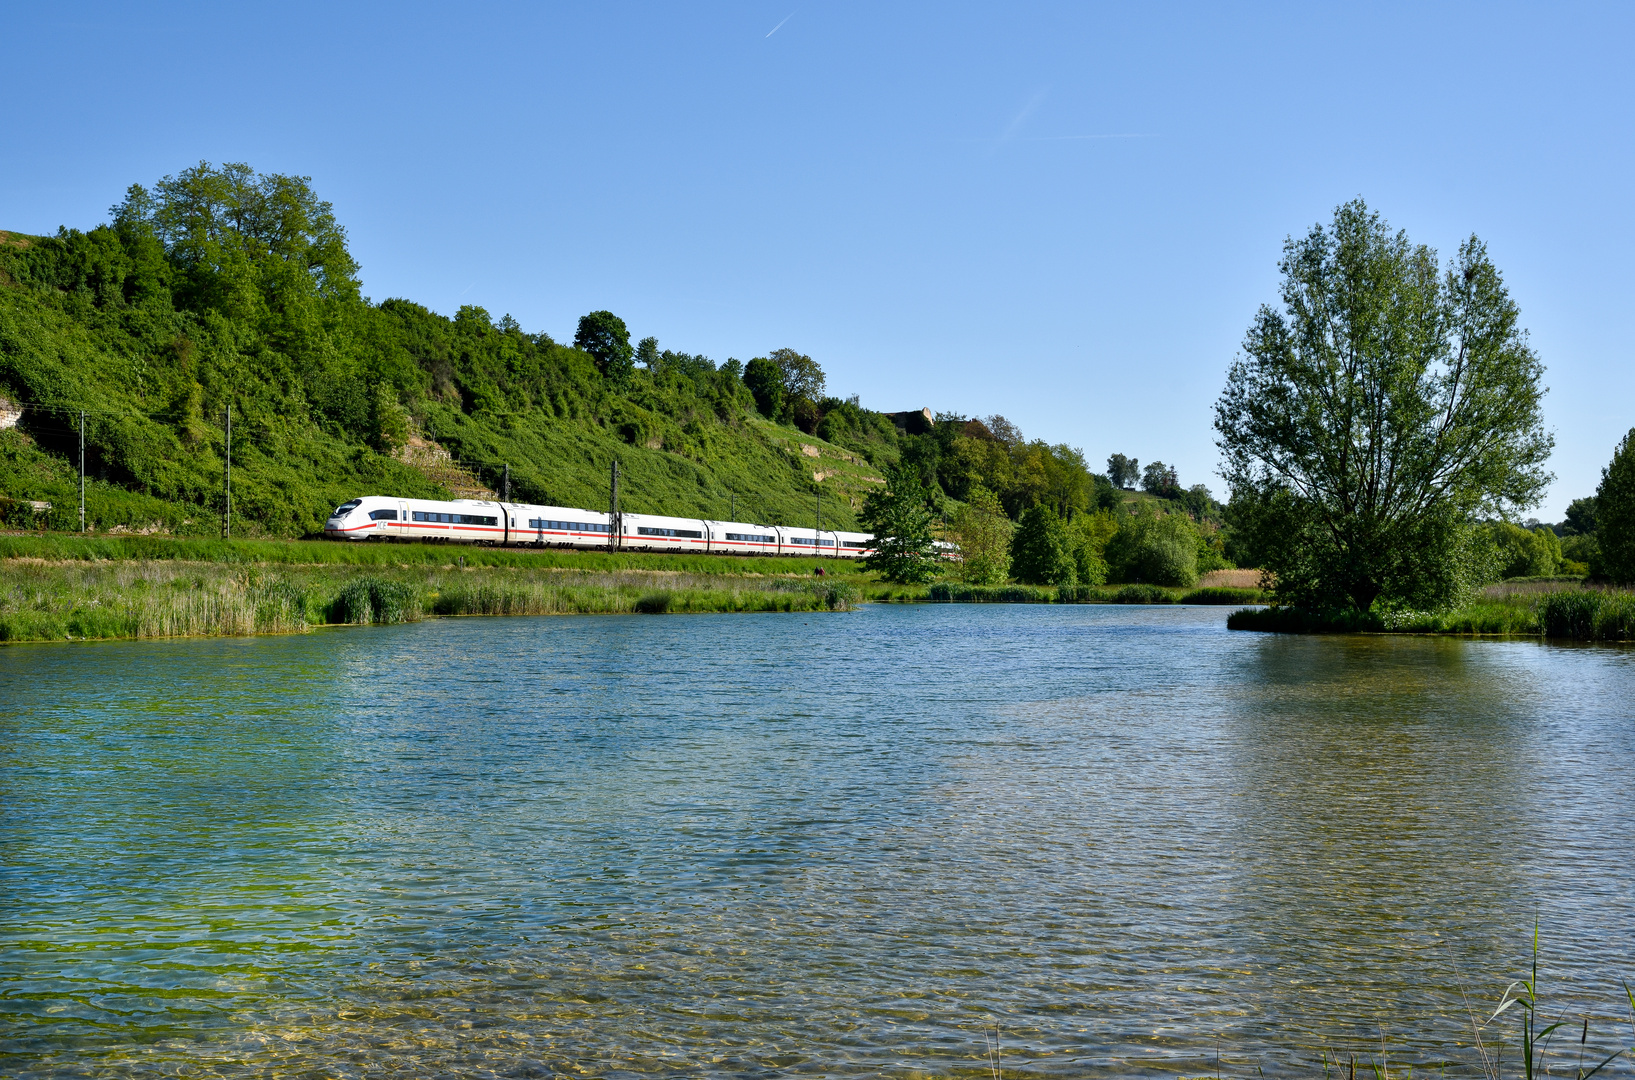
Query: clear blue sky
{"x": 1063, "y": 213}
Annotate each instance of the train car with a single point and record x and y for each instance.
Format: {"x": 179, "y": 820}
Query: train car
{"x": 560, "y": 526}
{"x": 854, "y": 545}
{"x": 481, "y": 521}
{"x": 742, "y": 538}
{"x": 651, "y": 532}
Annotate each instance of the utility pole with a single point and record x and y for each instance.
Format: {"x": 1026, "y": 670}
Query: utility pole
{"x": 227, "y": 482}
{"x": 507, "y": 489}
{"x": 82, "y": 470}
{"x": 732, "y": 515}
{"x": 615, "y": 524}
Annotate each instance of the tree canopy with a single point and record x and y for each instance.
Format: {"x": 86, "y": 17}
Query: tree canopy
{"x": 1615, "y": 513}
{"x": 604, "y": 336}
{"x": 900, "y": 519}
{"x": 1368, "y": 420}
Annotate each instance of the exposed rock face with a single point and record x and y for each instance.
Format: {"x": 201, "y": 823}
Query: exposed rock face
{"x": 10, "y": 413}
{"x": 914, "y": 421}
{"x": 439, "y": 466}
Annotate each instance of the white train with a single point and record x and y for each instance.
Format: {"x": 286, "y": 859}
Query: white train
{"x": 475, "y": 521}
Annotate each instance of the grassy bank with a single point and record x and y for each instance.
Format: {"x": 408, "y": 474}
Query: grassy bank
{"x": 1563, "y": 609}
{"x": 59, "y": 547}
{"x": 54, "y": 601}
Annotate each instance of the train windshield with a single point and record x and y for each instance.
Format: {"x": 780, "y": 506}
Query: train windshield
{"x": 341, "y": 510}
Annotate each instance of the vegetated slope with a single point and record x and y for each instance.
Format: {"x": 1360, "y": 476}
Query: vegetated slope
{"x": 334, "y": 396}
{"x": 223, "y": 288}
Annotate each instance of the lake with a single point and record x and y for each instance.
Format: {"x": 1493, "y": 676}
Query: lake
{"x": 850, "y": 844}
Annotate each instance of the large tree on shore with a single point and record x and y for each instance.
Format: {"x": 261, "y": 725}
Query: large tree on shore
{"x": 900, "y": 519}
{"x": 1615, "y": 513}
{"x": 1369, "y": 421}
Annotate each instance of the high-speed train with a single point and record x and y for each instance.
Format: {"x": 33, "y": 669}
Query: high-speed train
{"x": 476, "y": 521}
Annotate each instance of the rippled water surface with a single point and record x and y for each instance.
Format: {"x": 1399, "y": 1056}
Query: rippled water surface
{"x": 839, "y": 844}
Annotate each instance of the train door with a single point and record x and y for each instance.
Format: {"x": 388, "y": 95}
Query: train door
{"x": 402, "y": 520}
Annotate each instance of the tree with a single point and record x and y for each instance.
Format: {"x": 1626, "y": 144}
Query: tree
{"x": 1156, "y": 549}
{"x": 647, "y": 353}
{"x": 765, "y": 380}
{"x": 1580, "y": 519}
{"x": 1089, "y": 534}
{"x": 1525, "y": 552}
{"x": 983, "y": 534}
{"x": 1042, "y": 552}
{"x": 260, "y": 248}
{"x": 604, "y": 335}
{"x": 901, "y": 522}
{"x": 802, "y": 377}
{"x": 1372, "y": 419}
{"x": 1615, "y": 514}
{"x": 1160, "y": 479}
{"x": 1003, "y": 430}
{"x": 1123, "y": 471}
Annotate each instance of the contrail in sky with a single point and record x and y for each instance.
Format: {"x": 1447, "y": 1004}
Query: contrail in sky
{"x": 775, "y": 29}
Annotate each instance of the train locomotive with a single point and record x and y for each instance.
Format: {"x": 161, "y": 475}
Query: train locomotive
{"x": 508, "y": 524}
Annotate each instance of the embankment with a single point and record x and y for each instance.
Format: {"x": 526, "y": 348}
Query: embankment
{"x": 96, "y": 589}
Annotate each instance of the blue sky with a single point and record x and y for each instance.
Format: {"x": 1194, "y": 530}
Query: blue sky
{"x": 1063, "y": 213}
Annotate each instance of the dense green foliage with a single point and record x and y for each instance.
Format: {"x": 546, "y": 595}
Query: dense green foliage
{"x": 983, "y": 534}
{"x": 900, "y": 518}
{"x": 223, "y": 287}
{"x": 1373, "y": 418}
{"x": 1525, "y": 552}
{"x": 1042, "y": 550}
{"x": 1154, "y": 549}
{"x": 1615, "y": 514}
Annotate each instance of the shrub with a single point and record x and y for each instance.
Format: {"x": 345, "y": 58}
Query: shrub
{"x": 837, "y": 595}
{"x": 1220, "y": 595}
{"x": 983, "y": 534}
{"x": 1524, "y": 553}
{"x": 1588, "y": 616}
{"x": 373, "y": 600}
{"x": 1141, "y": 594}
{"x": 1042, "y": 553}
{"x": 1154, "y": 549}
{"x": 654, "y": 603}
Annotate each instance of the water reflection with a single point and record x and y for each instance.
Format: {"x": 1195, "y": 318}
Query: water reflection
{"x": 772, "y": 844}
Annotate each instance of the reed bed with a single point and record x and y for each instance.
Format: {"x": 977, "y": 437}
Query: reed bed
{"x": 59, "y": 547}
{"x": 53, "y": 601}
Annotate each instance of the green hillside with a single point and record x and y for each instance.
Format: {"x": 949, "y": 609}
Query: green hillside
{"x": 223, "y": 287}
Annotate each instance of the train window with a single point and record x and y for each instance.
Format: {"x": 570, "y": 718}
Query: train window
{"x": 565, "y": 526}
{"x": 857, "y": 543}
{"x": 642, "y": 530}
{"x": 752, "y": 538}
{"x": 383, "y": 515}
{"x": 475, "y": 519}
{"x": 810, "y": 541}
{"x": 341, "y": 510}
